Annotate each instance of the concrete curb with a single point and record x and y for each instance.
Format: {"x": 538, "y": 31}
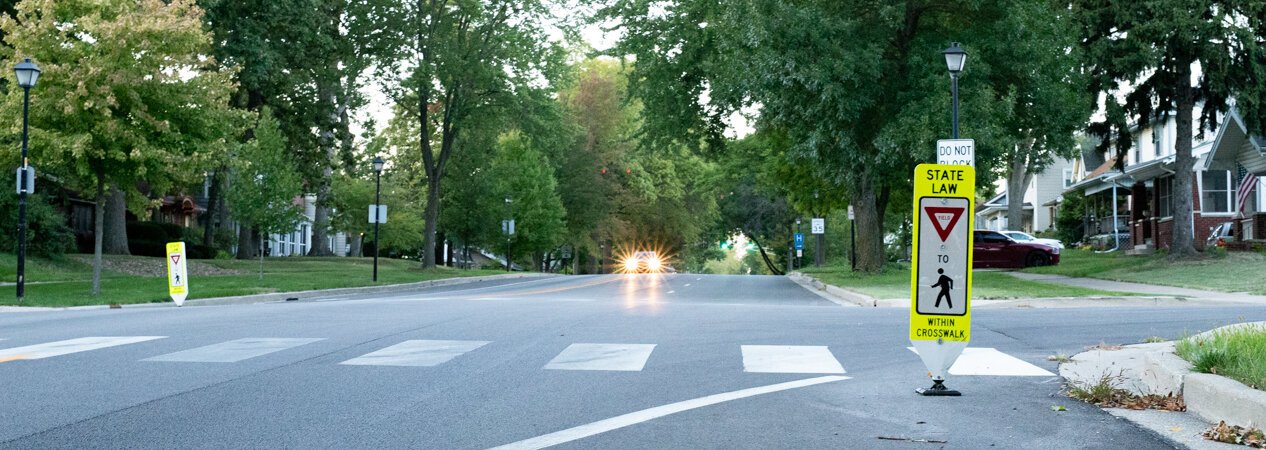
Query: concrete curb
{"x": 833, "y": 293}
{"x": 1156, "y": 369}
{"x": 1213, "y": 398}
{"x": 282, "y": 296}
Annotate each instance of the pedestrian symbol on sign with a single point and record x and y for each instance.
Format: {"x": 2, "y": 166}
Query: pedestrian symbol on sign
{"x": 945, "y": 283}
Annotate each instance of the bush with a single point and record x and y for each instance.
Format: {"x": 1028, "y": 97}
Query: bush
{"x": 46, "y": 233}
{"x": 146, "y": 231}
{"x": 146, "y": 247}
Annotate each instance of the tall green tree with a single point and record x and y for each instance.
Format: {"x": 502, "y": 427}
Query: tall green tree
{"x": 1154, "y": 48}
{"x": 1043, "y": 87}
{"x": 129, "y": 93}
{"x": 264, "y": 184}
{"x": 859, "y": 86}
{"x": 454, "y": 62}
{"x": 524, "y": 176}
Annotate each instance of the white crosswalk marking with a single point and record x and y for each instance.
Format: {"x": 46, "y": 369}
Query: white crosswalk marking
{"x": 234, "y": 351}
{"x": 622, "y": 357}
{"x": 416, "y": 353}
{"x": 69, "y": 346}
{"x": 990, "y": 361}
{"x": 789, "y": 359}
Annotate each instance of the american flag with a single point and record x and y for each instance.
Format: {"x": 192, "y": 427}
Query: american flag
{"x": 1248, "y": 182}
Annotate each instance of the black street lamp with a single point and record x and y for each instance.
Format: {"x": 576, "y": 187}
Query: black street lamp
{"x": 799, "y": 250}
{"x": 27, "y": 74}
{"x": 506, "y": 228}
{"x": 955, "y": 58}
{"x": 378, "y": 163}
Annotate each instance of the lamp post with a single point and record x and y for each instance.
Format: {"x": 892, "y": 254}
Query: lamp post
{"x": 378, "y": 163}
{"x": 955, "y": 58}
{"x": 27, "y": 74}
{"x": 506, "y": 227}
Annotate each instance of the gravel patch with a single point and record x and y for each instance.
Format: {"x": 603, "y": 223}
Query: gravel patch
{"x": 148, "y": 266}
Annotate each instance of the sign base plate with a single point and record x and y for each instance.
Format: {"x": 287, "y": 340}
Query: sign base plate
{"x": 938, "y": 389}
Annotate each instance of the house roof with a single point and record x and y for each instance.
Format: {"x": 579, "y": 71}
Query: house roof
{"x": 1235, "y": 146}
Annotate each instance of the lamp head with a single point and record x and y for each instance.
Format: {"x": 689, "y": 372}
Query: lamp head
{"x": 28, "y": 73}
{"x": 955, "y": 58}
{"x": 378, "y": 163}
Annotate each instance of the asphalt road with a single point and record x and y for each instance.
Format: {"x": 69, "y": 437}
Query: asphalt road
{"x": 484, "y": 365}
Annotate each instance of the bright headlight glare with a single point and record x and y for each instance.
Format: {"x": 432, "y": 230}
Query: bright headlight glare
{"x": 630, "y": 264}
{"x": 655, "y": 263}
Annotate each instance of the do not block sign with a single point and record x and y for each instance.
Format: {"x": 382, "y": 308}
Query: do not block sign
{"x": 944, "y": 198}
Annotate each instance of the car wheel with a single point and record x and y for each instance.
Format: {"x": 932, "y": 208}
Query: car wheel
{"x": 1037, "y": 259}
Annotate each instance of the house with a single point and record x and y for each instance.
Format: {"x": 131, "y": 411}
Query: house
{"x": 1242, "y": 157}
{"x": 299, "y": 241}
{"x": 1046, "y": 187}
{"x": 1137, "y": 202}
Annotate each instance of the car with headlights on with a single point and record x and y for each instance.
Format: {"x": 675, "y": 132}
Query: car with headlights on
{"x": 644, "y": 262}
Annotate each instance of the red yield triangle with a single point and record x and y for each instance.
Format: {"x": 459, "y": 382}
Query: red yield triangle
{"x": 943, "y": 229}
{"x": 175, "y": 259}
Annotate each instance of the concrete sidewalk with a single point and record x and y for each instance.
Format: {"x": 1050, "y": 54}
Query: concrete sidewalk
{"x": 1121, "y": 286}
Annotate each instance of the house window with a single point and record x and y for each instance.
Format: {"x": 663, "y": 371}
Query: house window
{"x": 1165, "y": 190}
{"x": 1215, "y": 192}
{"x": 1068, "y": 178}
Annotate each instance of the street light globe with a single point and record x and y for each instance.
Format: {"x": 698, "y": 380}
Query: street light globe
{"x": 378, "y": 163}
{"x": 955, "y": 58}
{"x": 28, "y": 73}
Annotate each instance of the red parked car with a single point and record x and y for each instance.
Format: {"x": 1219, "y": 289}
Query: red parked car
{"x": 994, "y": 249}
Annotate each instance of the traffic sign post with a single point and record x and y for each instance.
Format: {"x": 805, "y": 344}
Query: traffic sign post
{"x": 377, "y": 214}
{"x": 941, "y": 278}
{"x": 177, "y": 272}
{"x": 956, "y": 152}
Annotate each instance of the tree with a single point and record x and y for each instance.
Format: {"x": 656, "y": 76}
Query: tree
{"x": 455, "y": 62}
{"x": 128, "y": 94}
{"x": 858, "y": 86}
{"x": 1044, "y": 89}
{"x": 523, "y": 175}
{"x": 264, "y": 183}
{"x": 1153, "y": 47}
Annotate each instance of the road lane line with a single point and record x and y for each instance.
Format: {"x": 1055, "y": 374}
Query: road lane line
{"x": 634, "y": 418}
{"x": 619, "y": 357}
{"x": 991, "y": 362}
{"x": 789, "y": 359}
{"x": 66, "y": 347}
{"x": 14, "y": 358}
{"x": 235, "y": 350}
{"x": 416, "y": 353}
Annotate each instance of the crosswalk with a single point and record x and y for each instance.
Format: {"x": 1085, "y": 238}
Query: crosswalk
{"x": 608, "y": 357}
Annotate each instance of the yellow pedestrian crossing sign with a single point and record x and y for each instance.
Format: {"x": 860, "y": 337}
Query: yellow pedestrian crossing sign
{"x": 177, "y": 272}
{"x": 940, "y": 279}
{"x": 940, "y": 274}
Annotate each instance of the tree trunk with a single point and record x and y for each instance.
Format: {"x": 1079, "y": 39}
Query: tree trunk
{"x": 868, "y": 215}
{"x": 1182, "y": 245}
{"x": 245, "y": 243}
{"x": 354, "y": 248}
{"x": 1018, "y": 179}
{"x": 98, "y": 231}
{"x": 764, "y": 256}
{"x": 115, "y": 239}
{"x": 430, "y": 217}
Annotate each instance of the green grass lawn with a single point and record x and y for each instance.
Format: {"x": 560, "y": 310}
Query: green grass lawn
{"x": 1231, "y": 272}
{"x": 136, "y": 279}
{"x": 1238, "y": 353}
{"x": 894, "y": 282}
